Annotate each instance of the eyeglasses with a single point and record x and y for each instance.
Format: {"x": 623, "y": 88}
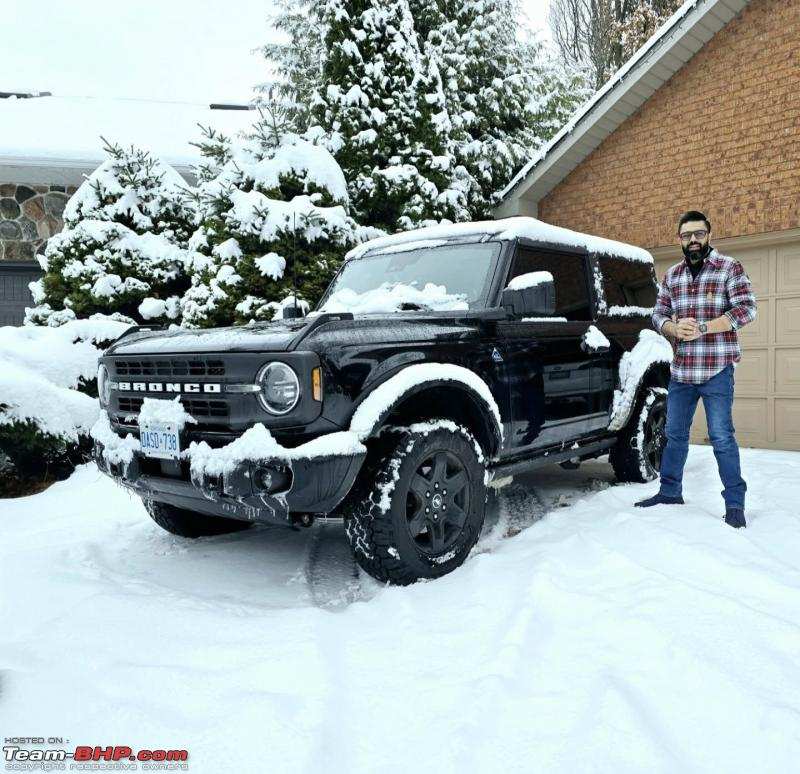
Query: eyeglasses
{"x": 701, "y": 233}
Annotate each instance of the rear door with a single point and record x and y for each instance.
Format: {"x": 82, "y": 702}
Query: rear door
{"x": 625, "y": 308}
{"x": 554, "y": 392}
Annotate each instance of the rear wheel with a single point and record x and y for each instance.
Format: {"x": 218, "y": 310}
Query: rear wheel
{"x": 419, "y": 505}
{"x": 636, "y": 457}
{"x": 189, "y": 524}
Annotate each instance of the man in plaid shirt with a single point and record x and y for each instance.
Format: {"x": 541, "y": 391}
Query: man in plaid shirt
{"x": 701, "y": 303}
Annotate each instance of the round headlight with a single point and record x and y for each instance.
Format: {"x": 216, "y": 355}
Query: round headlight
{"x": 280, "y": 388}
{"x": 103, "y": 386}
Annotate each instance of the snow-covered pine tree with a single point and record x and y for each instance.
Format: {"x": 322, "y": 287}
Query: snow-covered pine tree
{"x": 503, "y": 96}
{"x": 298, "y": 60}
{"x": 273, "y": 213}
{"x": 382, "y": 104}
{"x": 121, "y": 248}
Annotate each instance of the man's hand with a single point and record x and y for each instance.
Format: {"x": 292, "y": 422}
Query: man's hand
{"x": 686, "y": 329}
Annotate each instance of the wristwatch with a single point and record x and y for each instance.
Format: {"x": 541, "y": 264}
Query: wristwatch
{"x": 703, "y": 328}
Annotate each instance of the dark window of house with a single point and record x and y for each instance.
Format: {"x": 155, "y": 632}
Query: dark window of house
{"x": 627, "y": 283}
{"x": 14, "y": 293}
{"x": 569, "y": 275}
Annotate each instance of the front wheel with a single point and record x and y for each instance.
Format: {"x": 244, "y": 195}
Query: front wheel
{"x": 636, "y": 457}
{"x": 419, "y": 504}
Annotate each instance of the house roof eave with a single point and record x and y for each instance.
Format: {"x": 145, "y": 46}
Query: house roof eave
{"x": 670, "y": 48}
{"x": 46, "y": 170}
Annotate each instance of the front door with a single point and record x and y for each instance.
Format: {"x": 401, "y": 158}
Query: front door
{"x": 553, "y": 384}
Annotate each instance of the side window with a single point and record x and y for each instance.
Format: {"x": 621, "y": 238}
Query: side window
{"x": 569, "y": 276}
{"x": 627, "y": 283}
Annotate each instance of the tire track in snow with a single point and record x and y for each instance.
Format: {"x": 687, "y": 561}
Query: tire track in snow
{"x": 509, "y": 511}
{"x": 331, "y": 572}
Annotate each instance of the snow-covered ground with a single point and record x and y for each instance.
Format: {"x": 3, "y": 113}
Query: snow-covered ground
{"x": 598, "y": 637}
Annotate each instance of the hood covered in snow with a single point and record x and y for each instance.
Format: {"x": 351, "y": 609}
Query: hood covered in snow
{"x": 285, "y": 335}
{"x": 269, "y": 337}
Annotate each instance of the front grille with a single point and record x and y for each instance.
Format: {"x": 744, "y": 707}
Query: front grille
{"x": 197, "y": 408}
{"x": 169, "y": 367}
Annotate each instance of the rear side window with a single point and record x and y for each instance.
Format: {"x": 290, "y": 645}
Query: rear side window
{"x": 569, "y": 276}
{"x": 627, "y": 283}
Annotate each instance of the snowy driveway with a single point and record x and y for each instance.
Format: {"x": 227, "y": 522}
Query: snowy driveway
{"x": 599, "y": 638}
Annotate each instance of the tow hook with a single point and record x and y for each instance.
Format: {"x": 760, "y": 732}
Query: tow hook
{"x": 302, "y": 520}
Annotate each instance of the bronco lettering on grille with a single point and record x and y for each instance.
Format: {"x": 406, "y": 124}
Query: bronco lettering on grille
{"x": 166, "y": 387}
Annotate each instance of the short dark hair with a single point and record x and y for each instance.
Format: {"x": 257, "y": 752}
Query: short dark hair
{"x": 693, "y": 215}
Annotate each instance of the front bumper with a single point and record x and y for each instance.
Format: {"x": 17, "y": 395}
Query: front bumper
{"x": 266, "y": 491}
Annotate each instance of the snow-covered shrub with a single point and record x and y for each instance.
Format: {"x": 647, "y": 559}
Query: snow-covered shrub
{"x": 47, "y": 398}
{"x": 273, "y": 212}
{"x": 121, "y": 247}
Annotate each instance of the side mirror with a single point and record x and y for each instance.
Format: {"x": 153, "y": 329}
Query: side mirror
{"x": 530, "y": 295}
{"x": 293, "y": 312}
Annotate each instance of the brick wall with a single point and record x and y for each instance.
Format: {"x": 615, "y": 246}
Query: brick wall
{"x": 29, "y": 215}
{"x": 722, "y": 136}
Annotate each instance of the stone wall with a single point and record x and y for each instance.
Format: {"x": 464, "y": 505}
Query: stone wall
{"x": 29, "y": 215}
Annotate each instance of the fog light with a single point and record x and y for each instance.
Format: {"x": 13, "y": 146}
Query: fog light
{"x": 271, "y": 480}
{"x": 262, "y": 479}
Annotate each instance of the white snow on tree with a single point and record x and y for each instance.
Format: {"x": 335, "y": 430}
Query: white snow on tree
{"x": 381, "y": 102}
{"x": 273, "y": 213}
{"x": 297, "y": 56}
{"x": 121, "y": 248}
{"x": 47, "y": 398}
{"x": 504, "y": 95}
{"x": 495, "y": 97}
{"x": 638, "y": 27}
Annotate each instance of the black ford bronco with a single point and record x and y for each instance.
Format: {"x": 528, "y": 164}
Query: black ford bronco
{"x": 469, "y": 354}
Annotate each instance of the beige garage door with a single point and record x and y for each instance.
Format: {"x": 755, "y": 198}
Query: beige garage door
{"x": 767, "y": 405}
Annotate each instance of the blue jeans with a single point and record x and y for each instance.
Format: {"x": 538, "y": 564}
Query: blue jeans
{"x": 717, "y": 395}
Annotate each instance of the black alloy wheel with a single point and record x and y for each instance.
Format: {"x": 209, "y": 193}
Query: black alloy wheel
{"x": 655, "y": 435}
{"x": 437, "y": 502}
{"x": 419, "y": 502}
{"x": 636, "y": 457}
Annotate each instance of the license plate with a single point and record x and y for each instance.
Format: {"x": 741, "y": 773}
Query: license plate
{"x": 160, "y": 440}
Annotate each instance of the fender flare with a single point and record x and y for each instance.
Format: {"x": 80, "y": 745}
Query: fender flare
{"x": 371, "y": 413}
{"x": 650, "y": 351}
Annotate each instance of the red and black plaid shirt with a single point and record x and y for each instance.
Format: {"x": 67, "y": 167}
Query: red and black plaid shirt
{"x": 721, "y": 287}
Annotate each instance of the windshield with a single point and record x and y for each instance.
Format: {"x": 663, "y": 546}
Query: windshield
{"x": 447, "y": 277}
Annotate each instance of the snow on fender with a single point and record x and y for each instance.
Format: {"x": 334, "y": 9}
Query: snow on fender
{"x": 382, "y": 399}
{"x": 651, "y": 348}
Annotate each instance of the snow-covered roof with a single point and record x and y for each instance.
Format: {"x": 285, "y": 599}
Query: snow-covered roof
{"x": 57, "y": 139}
{"x": 667, "y": 51}
{"x": 506, "y": 228}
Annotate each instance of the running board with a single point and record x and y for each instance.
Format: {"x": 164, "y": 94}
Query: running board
{"x": 594, "y": 449}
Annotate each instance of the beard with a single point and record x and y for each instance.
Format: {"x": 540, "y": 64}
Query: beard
{"x": 696, "y": 255}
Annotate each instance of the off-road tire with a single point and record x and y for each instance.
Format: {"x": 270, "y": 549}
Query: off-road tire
{"x": 189, "y": 524}
{"x": 633, "y": 457}
{"x": 378, "y": 513}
